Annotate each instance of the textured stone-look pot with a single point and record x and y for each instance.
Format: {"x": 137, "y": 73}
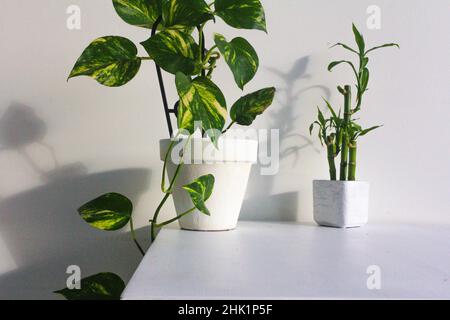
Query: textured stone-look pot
{"x": 341, "y": 204}
{"x": 230, "y": 164}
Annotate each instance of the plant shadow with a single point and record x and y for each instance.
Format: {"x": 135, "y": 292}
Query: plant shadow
{"x": 262, "y": 203}
{"x": 41, "y": 232}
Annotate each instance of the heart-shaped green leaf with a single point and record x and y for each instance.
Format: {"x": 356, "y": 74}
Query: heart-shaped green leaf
{"x": 240, "y": 57}
{"x": 189, "y": 13}
{"x": 109, "y": 212}
{"x": 112, "y": 61}
{"x": 174, "y": 51}
{"x": 242, "y": 14}
{"x": 200, "y": 190}
{"x": 247, "y": 108}
{"x": 359, "y": 40}
{"x": 101, "y": 286}
{"x": 205, "y": 102}
{"x": 141, "y": 13}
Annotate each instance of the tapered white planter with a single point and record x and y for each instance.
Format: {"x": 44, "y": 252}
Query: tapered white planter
{"x": 230, "y": 164}
{"x": 341, "y": 204}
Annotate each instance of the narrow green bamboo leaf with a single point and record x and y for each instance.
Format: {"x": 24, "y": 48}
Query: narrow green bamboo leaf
{"x": 200, "y": 190}
{"x": 247, "y": 108}
{"x": 189, "y": 13}
{"x": 109, "y": 212}
{"x": 383, "y": 46}
{"x": 336, "y": 63}
{"x": 205, "y": 102}
{"x": 141, "y": 13}
{"x": 321, "y": 117}
{"x": 101, "y": 286}
{"x": 359, "y": 40}
{"x": 242, "y": 14}
{"x": 330, "y": 108}
{"x": 364, "y": 79}
{"x": 345, "y": 46}
{"x": 174, "y": 51}
{"x": 366, "y": 131}
{"x": 240, "y": 56}
{"x": 112, "y": 61}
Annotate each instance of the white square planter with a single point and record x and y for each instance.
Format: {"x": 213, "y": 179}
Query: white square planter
{"x": 341, "y": 204}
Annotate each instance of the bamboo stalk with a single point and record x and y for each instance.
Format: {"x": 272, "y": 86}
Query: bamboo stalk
{"x": 344, "y": 148}
{"x": 352, "y": 161}
{"x": 331, "y": 153}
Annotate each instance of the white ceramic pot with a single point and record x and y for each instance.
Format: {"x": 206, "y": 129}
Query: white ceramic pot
{"x": 341, "y": 204}
{"x": 230, "y": 164}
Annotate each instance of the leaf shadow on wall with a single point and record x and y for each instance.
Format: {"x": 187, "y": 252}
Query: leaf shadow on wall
{"x": 262, "y": 203}
{"x": 41, "y": 228}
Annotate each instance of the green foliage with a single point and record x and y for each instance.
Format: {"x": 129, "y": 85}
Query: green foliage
{"x": 200, "y": 190}
{"x": 204, "y": 101}
{"x": 246, "y": 109}
{"x": 340, "y": 133}
{"x": 190, "y": 13}
{"x": 174, "y": 51}
{"x": 109, "y": 212}
{"x": 240, "y": 57}
{"x": 140, "y": 13}
{"x": 242, "y": 14}
{"x": 101, "y": 286}
{"x": 112, "y": 61}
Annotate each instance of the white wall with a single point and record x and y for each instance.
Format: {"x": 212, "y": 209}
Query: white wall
{"x": 64, "y": 143}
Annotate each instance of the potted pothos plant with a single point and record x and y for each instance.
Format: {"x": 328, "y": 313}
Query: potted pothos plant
{"x": 193, "y": 166}
{"x": 344, "y": 202}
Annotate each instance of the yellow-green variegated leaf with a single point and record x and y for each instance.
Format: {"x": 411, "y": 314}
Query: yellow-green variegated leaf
{"x": 101, "y": 286}
{"x": 109, "y": 212}
{"x": 205, "y": 102}
{"x": 141, "y": 13}
{"x": 240, "y": 57}
{"x": 112, "y": 61}
{"x": 200, "y": 190}
{"x": 247, "y": 108}
{"x": 174, "y": 51}
{"x": 242, "y": 14}
{"x": 190, "y": 13}
{"x": 185, "y": 120}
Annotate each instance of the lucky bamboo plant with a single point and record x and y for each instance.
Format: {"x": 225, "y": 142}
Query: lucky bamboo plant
{"x": 179, "y": 46}
{"x": 340, "y": 131}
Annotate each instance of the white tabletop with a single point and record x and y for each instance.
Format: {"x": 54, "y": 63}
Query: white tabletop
{"x": 262, "y": 260}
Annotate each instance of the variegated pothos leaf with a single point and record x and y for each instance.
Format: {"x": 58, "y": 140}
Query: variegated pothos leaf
{"x": 174, "y": 51}
{"x": 112, "y": 61}
{"x": 190, "y": 13}
{"x": 109, "y": 212}
{"x": 141, "y": 13}
{"x": 205, "y": 102}
{"x": 242, "y": 14}
{"x": 200, "y": 190}
{"x": 101, "y": 286}
{"x": 240, "y": 56}
{"x": 246, "y": 109}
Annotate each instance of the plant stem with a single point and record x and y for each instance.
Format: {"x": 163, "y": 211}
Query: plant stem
{"x": 155, "y": 217}
{"x": 352, "y": 160}
{"x": 133, "y": 235}
{"x": 175, "y": 219}
{"x": 201, "y": 42}
{"x": 331, "y": 149}
{"x": 344, "y": 148}
{"x": 229, "y": 127}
